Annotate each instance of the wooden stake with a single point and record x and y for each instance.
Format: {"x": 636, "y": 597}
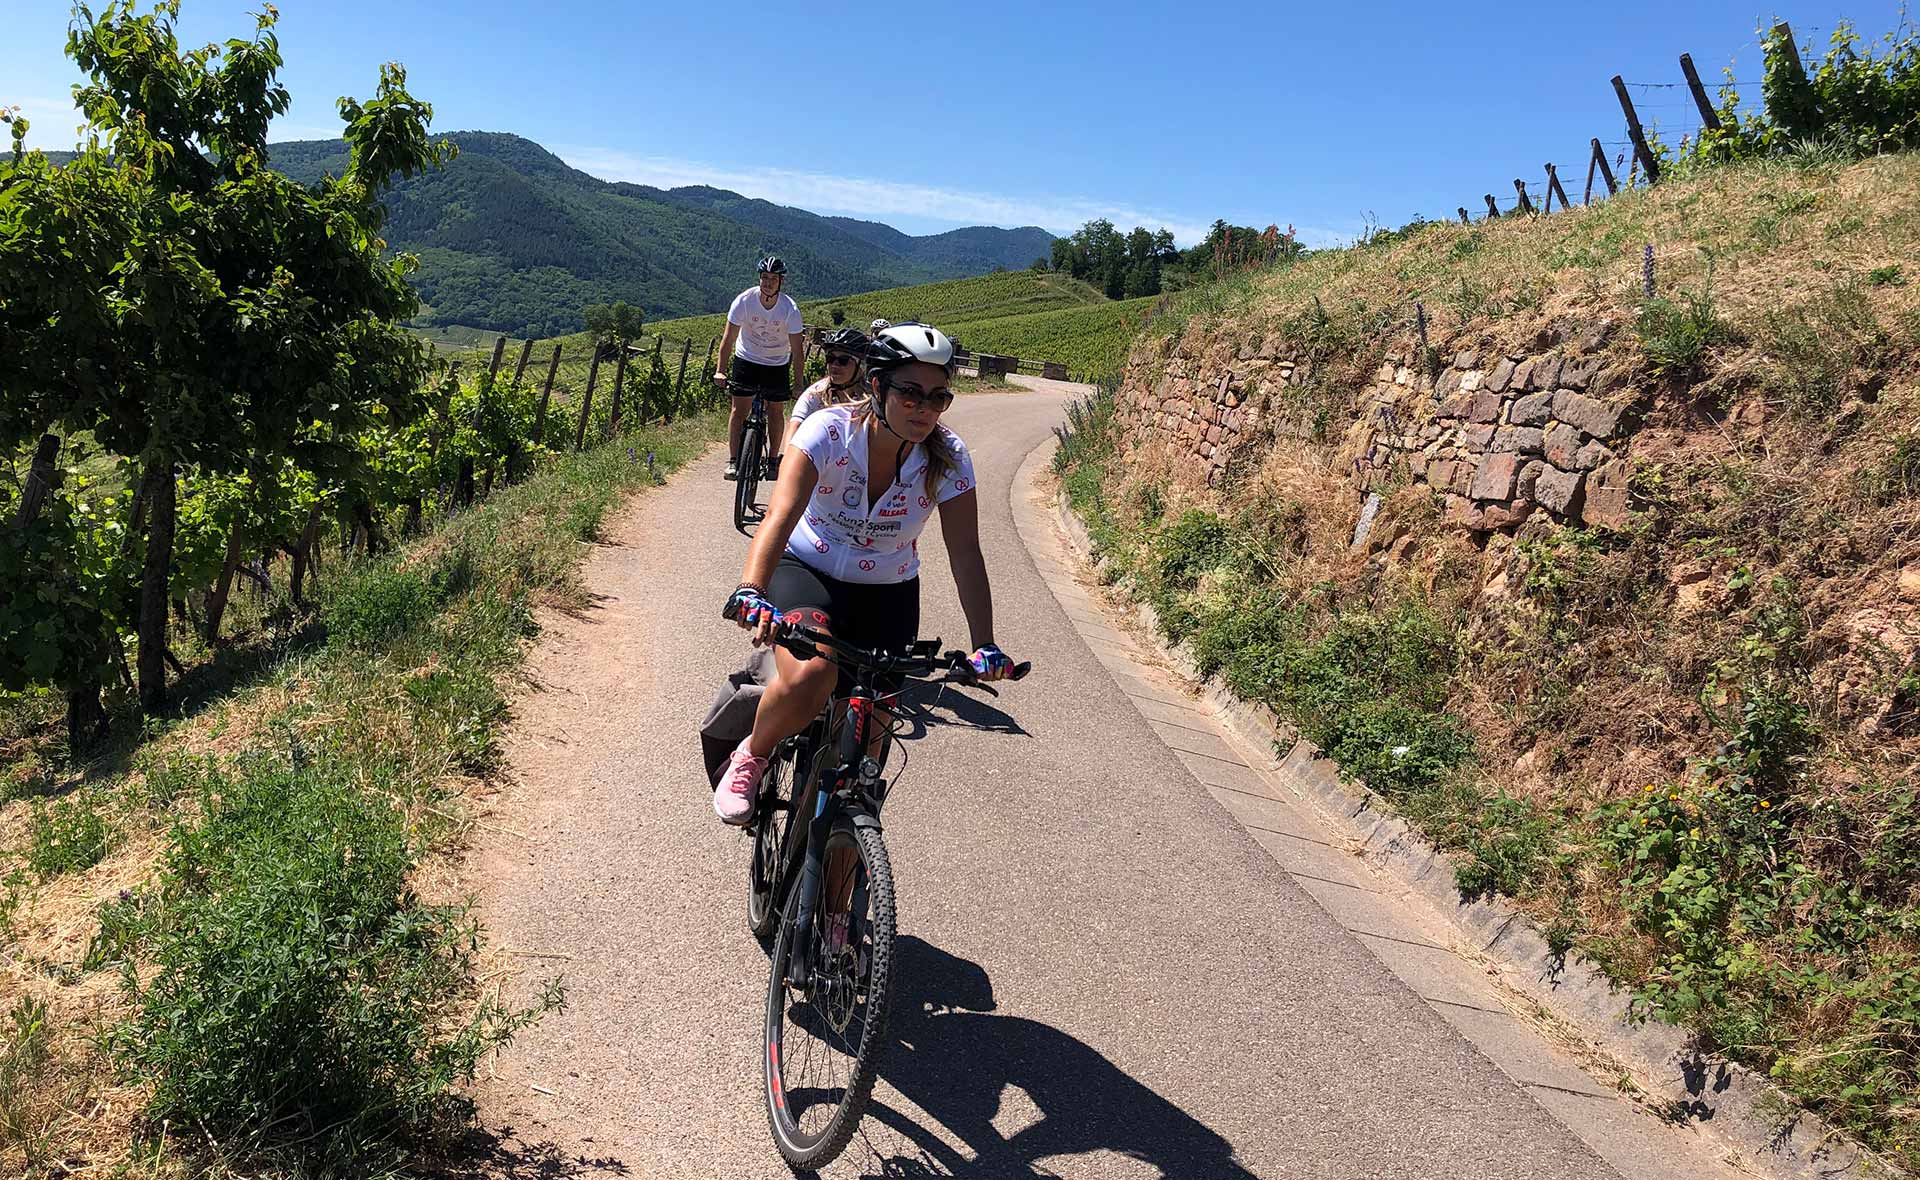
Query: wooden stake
{"x": 706, "y": 373}
{"x": 540, "y": 415}
{"x": 42, "y": 476}
{"x": 1784, "y": 31}
{"x": 1493, "y": 210}
{"x": 1463, "y": 215}
{"x": 499, "y": 350}
{"x": 1708, "y": 115}
{"x": 1606, "y": 169}
{"x": 1520, "y": 186}
{"x": 586, "y": 402}
{"x": 526, "y": 346}
{"x": 1641, "y": 151}
{"x": 619, "y": 388}
{"x": 1554, "y": 189}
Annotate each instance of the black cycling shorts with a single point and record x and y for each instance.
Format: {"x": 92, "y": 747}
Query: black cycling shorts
{"x": 774, "y": 382}
{"x": 883, "y": 615}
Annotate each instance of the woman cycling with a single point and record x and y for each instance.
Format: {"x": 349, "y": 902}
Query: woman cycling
{"x": 765, "y": 326}
{"x": 846, "y": 350}
{"x": 839, "y": 548}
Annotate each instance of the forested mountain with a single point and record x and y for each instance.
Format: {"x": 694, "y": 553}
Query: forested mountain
{"x": 511, "y": 238}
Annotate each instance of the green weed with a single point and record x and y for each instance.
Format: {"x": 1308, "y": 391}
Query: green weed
{"x": 1816, "y": 348}
{"x": 67, "y": 836}
{"x": 1675, "y": 334}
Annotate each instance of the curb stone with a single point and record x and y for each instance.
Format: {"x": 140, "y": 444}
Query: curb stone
{"x": 1743, "y": 1108}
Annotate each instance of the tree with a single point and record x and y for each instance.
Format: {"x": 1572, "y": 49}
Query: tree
{"x": 191, "y": 308}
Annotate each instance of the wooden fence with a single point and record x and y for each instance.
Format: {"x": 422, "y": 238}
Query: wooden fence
{"x": 1642, "y": 162}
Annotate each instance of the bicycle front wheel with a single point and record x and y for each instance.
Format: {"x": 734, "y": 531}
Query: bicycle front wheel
{"x": 748, "y": 484}
{"x": 823, "y": 1042}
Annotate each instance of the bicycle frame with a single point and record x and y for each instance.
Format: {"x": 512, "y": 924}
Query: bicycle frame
{"x": 830, "y": 792}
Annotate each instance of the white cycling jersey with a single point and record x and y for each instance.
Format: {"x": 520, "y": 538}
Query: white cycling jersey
{"x": 846, "y": 534}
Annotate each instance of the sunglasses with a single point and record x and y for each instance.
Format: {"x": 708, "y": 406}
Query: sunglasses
{"x": 936, "y": 399}
{"x": 839, "y": 358}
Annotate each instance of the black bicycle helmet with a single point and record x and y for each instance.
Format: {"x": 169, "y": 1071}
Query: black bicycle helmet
{"x": 852, "y": 340}
{"x": 771, "y": 265}
{"x": 906, "y": 342}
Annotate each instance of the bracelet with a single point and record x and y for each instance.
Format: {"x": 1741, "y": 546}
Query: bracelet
{"x": 755, "y": 587}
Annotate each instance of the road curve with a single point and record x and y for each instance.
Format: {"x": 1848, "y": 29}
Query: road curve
{"x": 1102, "y": 974}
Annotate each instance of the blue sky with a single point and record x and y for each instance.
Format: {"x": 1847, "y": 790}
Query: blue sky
{"x": 932, "y": 116}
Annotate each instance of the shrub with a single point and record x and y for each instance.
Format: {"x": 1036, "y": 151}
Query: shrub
{"x": 383, "y": 601}
{"x": 1815, "y": 348}
{"x": 299, "y": 983}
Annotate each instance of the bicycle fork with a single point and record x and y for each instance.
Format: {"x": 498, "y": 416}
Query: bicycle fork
{"x": 800, "y": 956}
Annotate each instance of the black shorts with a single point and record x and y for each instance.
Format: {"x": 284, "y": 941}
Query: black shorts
{"x": 884, "y": 615}
{"x": 774, "y": 382}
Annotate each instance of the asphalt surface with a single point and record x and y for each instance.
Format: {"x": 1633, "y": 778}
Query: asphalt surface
{"x": 1102, "y": 974}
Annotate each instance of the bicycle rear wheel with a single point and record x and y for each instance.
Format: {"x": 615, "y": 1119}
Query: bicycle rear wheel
{"x": 779, "y": 786}
{"x": 748, "y": 483}
{"x": 822, "y": 1046}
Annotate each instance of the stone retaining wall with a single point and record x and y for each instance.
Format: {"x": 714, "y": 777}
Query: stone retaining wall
{"x": 1500, "y": 435}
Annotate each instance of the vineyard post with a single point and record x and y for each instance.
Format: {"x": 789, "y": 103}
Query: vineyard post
{"x": 546, "y": 391}
{"x": 526, "y": 347}
{"x": 1784, "y": 31}
{"x": 1606, "y": 169}
{"x": 619, "y": 389}
{"x": 1554, "y": 189}
{"x": 1520, "y": 186}
{"x": 586, "y": 401}
{"x": 499, "y": 350}
{"x": 40, "y": 480}
{"x": 1493, "y": 210}
{"x": 1464, "y": 220}
{"x": 1708, "y": 115}
{"x": 680, "y": 385}
{"x": 706, "y": 374}
{"x": 1641, "y": 151}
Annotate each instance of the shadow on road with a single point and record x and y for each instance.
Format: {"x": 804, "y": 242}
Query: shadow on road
{"x": 940, "y": 705}
{"x": 504, "y": 1154}
{"x": 953, "y": 1058}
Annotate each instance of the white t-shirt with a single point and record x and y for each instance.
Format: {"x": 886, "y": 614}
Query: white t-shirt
{"x": 815, "y": 398}
{"x": 845, "y": 535}
{"x": 764, "y": 330}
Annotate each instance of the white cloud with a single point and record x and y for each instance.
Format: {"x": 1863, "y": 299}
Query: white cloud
{"x": 864, "y": 197}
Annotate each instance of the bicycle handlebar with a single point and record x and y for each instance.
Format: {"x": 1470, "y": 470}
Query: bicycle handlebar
{"x": 921, "y": 660}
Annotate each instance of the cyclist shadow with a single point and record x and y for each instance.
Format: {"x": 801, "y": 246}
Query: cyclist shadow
{"x": 934, "y": 706}
{"x": 953, "y": 1058}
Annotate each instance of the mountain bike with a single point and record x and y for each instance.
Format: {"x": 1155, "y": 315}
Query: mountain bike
{"x": 820, "y": 878}
{"x": 756, "y": 456}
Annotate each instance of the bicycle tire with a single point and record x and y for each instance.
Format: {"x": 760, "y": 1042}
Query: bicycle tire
{"x": 804, "y": 1150}
{"x": 763, "y": 874}
{"x": 747, "y": 480}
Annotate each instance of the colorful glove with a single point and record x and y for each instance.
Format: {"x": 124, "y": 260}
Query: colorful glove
{"x": 747, "y": 605}
{"x": 989, "y": 659}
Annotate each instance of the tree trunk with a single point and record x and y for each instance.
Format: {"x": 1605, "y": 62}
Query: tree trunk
{"x": 303, "y": 556}
{"x": 363, "y": 517}
{"x": 159, "y": 488}
{"x": 411, "y": 526}
{"x": 42, "y": 478}
{"x": 217, "y": 599}
{"x": 86, "y": 718}
{"x": 463, "y": 484}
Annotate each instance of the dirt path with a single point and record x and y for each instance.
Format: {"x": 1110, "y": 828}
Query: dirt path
{"x": 1103, "y": 975}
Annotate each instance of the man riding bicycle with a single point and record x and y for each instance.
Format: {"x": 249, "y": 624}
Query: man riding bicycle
{"x": 839, "y": 547}
{"x": 846, "y": 353}
{"x": 764, "y": 339}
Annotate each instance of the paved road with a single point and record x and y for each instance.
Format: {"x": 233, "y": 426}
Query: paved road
{"x": 1103, "y": 975}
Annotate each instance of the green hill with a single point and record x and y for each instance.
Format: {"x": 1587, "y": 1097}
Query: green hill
{"x": 512, "y": 239}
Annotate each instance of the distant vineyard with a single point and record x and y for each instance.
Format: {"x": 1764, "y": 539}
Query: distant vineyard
{"x": 1040, "y": 316}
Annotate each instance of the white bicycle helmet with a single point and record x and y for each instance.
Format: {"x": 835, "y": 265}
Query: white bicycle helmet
{"x": 878, "y": 326}
{"x": 905, "y": 343}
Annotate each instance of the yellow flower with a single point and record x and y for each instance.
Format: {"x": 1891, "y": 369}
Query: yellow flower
{"x": 1670, "y": 795}
{"x": 1764, "y": 803}
{"x": 1695, "y": 833}
{"x": 1643, "y": 823}
{"x": 1649, "y": 788}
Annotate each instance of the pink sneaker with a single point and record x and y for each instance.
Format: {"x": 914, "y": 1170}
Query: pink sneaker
{"x": 739, "y": 784}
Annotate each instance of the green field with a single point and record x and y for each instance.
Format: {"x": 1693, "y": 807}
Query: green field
{"x": 1048, "y": 317}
